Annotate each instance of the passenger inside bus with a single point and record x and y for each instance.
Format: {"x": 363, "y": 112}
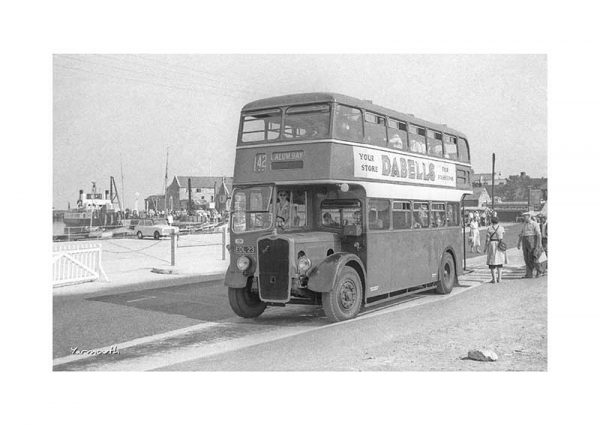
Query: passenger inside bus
{"x": 396, "y": 142}
{"x": 349, "y": 123}
{"x": 421, "y": 217}
{"x": 316, "y": 131}
{"x": 328, "y": 220}
{"x": 356, "y": 216}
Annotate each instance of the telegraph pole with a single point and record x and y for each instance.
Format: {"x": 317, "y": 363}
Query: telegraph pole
{"x": 493, "y": 177}
{"x": 166, "y": 178}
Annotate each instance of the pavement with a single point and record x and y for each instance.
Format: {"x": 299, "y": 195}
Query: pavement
{"x": 132, "y": 264}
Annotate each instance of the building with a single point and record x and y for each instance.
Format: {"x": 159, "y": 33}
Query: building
{"x": 511, "y": 211}
{"x": 154, "y": 202}
{"x": 486, "y": 179}
{"x": 478, "y": 200}
{"x": 206, "y": 192}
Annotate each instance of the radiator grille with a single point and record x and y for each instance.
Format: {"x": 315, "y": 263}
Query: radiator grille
{"x": 273, "y": 263}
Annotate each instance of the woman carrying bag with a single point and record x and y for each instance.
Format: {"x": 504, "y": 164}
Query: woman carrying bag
{"x": 496, "y": 249}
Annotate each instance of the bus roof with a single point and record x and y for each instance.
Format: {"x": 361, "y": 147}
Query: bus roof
{"x": 322, "y": 97}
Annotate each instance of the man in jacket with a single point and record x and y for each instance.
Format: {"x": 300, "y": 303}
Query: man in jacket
{"x": 530, "y": 239}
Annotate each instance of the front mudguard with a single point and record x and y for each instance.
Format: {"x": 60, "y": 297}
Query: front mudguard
{"x": 235, "y": 278}
{"x": 322, "y": 277}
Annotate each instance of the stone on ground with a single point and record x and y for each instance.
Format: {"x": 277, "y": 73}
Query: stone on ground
{"x": 483, "y": 355}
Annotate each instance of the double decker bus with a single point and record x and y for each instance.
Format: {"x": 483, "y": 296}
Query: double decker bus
{"x": 341, "y": 203}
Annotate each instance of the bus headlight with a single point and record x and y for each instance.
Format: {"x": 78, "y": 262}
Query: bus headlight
{"x": 243, "y": 263}
{"x": 303, "y": 264}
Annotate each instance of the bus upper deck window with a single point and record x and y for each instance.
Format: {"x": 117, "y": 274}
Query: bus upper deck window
{"x": 396, "y": 133}
{"x": 375, "y": 133}
{"x": 348, "y": 124}
{"x": 261, "y": 126}
{"x": 416, "y": 139}
{"x": 434, "y": 143}
{"x": 450, "y": 147}
{"x": 463, "y": 150}
{"x": 307, "y": 122}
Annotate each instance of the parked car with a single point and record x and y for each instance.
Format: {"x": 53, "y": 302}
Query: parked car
{"x": 155, "y": 228}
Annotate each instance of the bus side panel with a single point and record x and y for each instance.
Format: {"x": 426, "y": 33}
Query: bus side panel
{"x": 412, "y": 263}
{"x": 380, "y": 251}
{"x": 443, "y": 239}
{"x": 405, "y": 258}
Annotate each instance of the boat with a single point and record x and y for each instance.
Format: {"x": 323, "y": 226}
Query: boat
{"x": 95, "y": 211}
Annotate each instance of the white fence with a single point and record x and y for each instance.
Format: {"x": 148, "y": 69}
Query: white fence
{"x": 76, "y": 263}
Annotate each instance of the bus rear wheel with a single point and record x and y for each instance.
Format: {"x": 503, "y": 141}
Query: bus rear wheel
{"x": 244, "y": 303}
{"x": 344, "y": 300}
{"x": 447, "y": 274}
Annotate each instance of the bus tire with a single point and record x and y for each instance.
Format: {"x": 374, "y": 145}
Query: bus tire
{"x": 244, "y": 303}
{"x": 344, "y": 300}
{"x": 140, "y": 235}
{"x": 447, "y": 274}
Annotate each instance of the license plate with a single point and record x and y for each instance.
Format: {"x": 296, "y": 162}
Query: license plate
{"x": 244, "y": 249}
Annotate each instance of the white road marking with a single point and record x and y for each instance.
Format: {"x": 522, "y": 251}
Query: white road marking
{"x": 138, "y": 341}
{"x": 141, "y": 299}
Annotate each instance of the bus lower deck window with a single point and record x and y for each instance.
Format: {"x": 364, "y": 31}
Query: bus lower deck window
{"x": 379, "y": 214}
{"x": 401, "y": 215}
{"x": 420, "y": 215}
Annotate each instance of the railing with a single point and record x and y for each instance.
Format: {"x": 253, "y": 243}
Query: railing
{"x": 182, "y": 241}
{"x": 76, "y": 263}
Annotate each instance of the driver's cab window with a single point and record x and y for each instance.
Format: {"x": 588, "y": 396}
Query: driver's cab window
{"x": 290, "y": 209}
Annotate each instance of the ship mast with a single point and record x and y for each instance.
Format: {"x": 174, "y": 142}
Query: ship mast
{"x": 114, "y": 193}
{"x": 122, "y": 207}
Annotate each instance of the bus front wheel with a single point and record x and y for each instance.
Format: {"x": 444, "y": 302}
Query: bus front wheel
{"x": 344, "y": 300}
{"x": 244, "y": 303}
{"x": 447, "y": 274}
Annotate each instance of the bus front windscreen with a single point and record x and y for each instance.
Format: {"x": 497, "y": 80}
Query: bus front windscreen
{"x": 307, "y": 122}
{"x": 251, "y": 209}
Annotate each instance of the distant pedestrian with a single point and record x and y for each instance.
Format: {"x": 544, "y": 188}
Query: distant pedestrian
{"x": 474, "y": 238}
{"x": 530, "y": 239}
{"x": 544, "y": 235}
{"x": 496, "y": 257}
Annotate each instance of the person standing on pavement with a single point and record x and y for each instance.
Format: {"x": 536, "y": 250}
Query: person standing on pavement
{"x": 496, "y": 258}
{"x": 544, "y": 234}
{"x": 530, "y": 239}
{"x": 474, "y": 237}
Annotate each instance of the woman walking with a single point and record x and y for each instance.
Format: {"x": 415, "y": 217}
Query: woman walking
{"x": 496, "y": 257}
{"x": 474, "y": 237}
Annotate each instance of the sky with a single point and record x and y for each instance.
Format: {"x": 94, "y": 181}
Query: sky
{"x": 122, "y": 112}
